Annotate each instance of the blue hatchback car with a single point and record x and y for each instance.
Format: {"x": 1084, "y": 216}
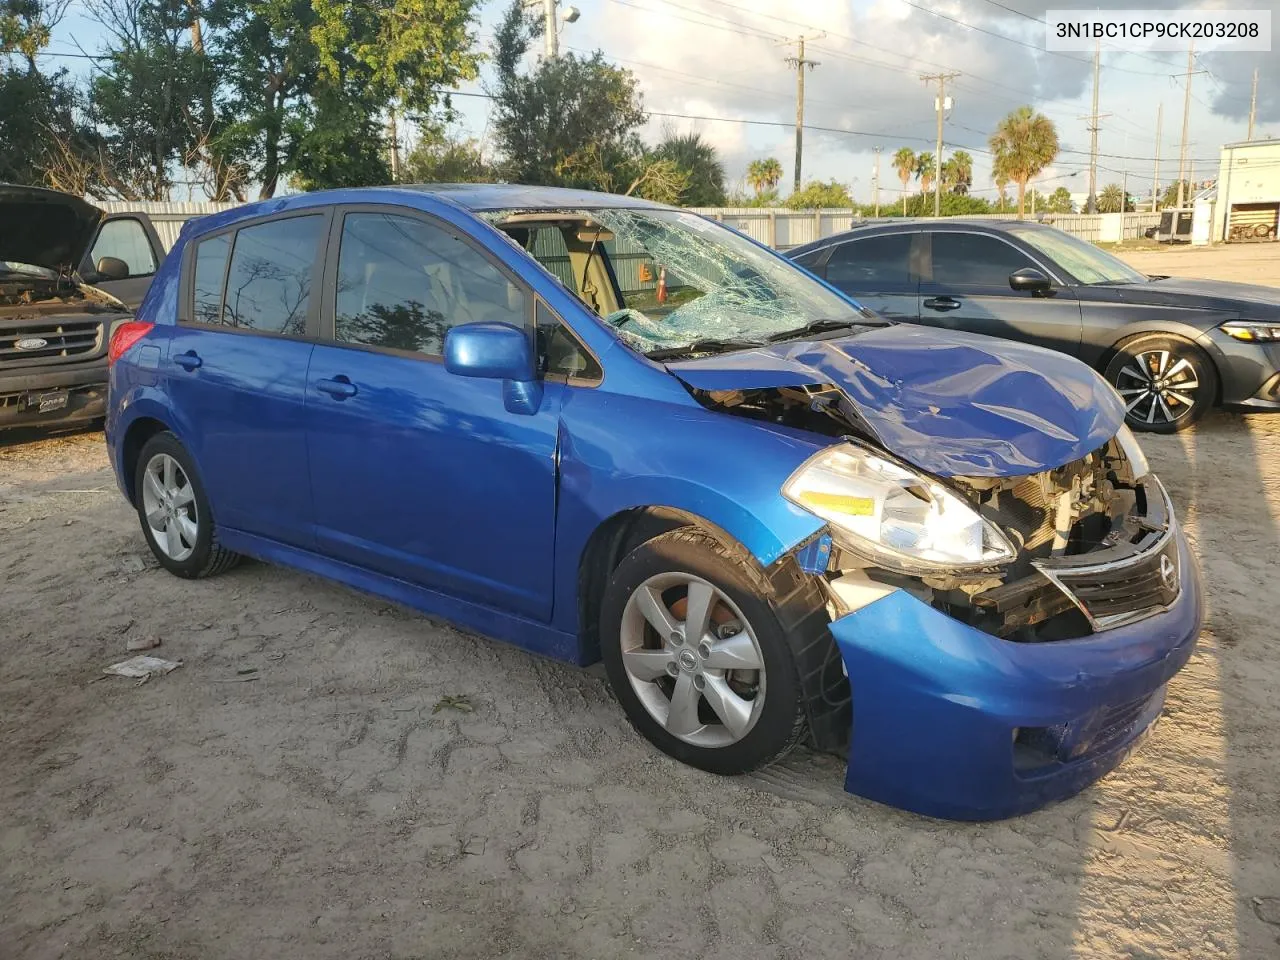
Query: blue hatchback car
{"x": 605, "y": 429}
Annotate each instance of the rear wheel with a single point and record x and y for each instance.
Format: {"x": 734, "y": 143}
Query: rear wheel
{"x": 697, "y": 657}
{"x": 1166, "y": 383}
{"x": 174, "y": 511}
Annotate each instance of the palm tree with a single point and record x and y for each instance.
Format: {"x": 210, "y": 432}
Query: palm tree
{"x": 957, "y": 173}
{"x": 700, "y": 160}
{"x": 764, "y": 174}
{"x": 1111, "y": 199}
{"x": 1024, "y": 143}
{"x": 925, "y": 170}
{"x": 1000, "y": 177}
{"x": 904, "y": 161}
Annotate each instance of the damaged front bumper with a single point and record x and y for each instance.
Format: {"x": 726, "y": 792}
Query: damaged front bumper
{"x": 953, "y": 722}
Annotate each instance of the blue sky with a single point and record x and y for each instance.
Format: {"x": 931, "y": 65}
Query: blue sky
{"x": 725, "y": 59}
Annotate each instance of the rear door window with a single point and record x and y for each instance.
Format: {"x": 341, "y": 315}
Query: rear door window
{"x": 872, "y": 263}
{"x": 975, "y": 259}
{"x": 269, "y": 283}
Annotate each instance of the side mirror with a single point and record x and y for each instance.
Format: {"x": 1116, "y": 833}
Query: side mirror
{"x": 1029, "y": 279}
{"x": 493, "y": 351}
{"x": 111, "y": 268}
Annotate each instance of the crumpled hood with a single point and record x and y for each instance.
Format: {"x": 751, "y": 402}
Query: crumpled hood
{"x": 953, "y": 404}
{"x": 45, "y": 228}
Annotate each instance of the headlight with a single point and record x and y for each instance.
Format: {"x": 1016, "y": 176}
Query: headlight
{"x": 1251, "y": 332}
{"x": 892, "y": 515}
{"x": 1133, "y": 453}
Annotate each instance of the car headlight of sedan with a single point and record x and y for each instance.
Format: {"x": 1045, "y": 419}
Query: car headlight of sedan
{"x": 894, "y": 516}
{"x": 1251, "y": 331}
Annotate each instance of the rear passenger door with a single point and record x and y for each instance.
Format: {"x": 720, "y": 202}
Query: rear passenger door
{"x": 967, "y": 288}
{"x": 237, "y": 369}
{"x": 878, "y": 271}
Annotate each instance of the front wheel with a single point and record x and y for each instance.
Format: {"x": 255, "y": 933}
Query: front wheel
{"x": 1166, "y": 383}
{"x": 697, "y": 657}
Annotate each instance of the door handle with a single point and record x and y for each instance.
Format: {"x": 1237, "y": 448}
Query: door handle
{"x": 942, "y": 303}
{"x": 188, "y": 361}
{"x": 340, "y": 388}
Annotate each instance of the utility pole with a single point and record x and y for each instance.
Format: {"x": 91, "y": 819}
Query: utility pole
{"x": 393, "y": 134}
{"x": 549, "y": 28}
{"x": 1155, "y": 180}
{"x": 1186, "y": 123}
{"x": 1091, "y": 205}
{"x": 799, "y": 62}
{"x": 1253, "y": 103}
{"x": 1124, "y": 178}
{"x": 940, "y": 105}
{"x": 877, "y": 179}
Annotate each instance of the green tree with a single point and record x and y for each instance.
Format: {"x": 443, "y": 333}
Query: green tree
{"x": 570, "y": 121}
{"x": 1059, "y": 201}
{"x": 1024, "y": 143}
{"x": 957, "y": 172}
{"x": 763, "y": 175}
{"x": 698, "y": 158}
{"x": 904, "y": 161}
{"x": 816, "y": 195}
{"x": 1111, "y": 199}
{"x": 1170, "y": 198}
{"x": 306, "y": 82}
{"x": 1000, "y": 177}
{"x": 441, "y": 158}
{"x": 926, "y": 170}
{"x": 952, "y": 205}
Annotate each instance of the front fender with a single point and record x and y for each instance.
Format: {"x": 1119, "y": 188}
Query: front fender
{"x": 723, "y": 469}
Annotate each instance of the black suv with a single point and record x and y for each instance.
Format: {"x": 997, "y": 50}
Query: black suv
{"x": 68, "y": 275}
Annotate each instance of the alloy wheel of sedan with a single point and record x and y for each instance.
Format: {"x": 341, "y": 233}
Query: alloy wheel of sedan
{"x": 169, "y": 505}
{"x": 693, "y": 660}
{"x": 1158, "y": 387}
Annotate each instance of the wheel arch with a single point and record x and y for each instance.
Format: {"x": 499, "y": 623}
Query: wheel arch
{"x": 614, "y": 538}
{"x": 1189, "y": 335}
{"x": 139, "y": 431}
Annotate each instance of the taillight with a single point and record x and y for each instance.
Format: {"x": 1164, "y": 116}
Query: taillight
{"x": 125, "y": 336}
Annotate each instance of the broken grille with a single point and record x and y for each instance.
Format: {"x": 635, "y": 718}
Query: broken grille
{"x": 49, "y": 342}
{"x": 1123, "y": 591}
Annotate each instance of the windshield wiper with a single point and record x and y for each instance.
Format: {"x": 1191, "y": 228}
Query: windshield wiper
{"x": 822, "y": 326}
{"x": 706, "y": 345}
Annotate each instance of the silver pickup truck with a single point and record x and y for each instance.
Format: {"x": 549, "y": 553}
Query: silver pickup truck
{"x": 69, "y": 273}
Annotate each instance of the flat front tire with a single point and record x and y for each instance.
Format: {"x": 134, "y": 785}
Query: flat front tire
{"x": 696, "y": 656}
{"x": 174, "y": 511}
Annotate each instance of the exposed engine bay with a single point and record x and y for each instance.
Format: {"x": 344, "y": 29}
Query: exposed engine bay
{"x": 1090, "y": 510}
{"x": 23, "y": 295}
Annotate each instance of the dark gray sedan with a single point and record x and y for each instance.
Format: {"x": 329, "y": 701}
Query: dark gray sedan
{"x": 1172, "y": 347}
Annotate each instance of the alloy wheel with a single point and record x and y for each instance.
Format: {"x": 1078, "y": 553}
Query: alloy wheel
{"x": 693, "y": 660}
{"x": 169, "y": 504}
{"x": 1158, "y": 387}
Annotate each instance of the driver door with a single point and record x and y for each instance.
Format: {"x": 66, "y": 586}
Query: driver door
{"x": 966, "y": 287}
{"x": 415, "y": 472}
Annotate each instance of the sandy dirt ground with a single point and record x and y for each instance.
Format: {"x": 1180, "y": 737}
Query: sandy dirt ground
{"x": 326, "y": 810}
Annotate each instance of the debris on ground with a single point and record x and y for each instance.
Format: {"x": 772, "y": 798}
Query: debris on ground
{"x": 142, "y": 643}
{"x": 143, "y": 668}
{"x": 460, "y": 702}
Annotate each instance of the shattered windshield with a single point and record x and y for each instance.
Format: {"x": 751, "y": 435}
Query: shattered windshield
{"x": 666, "y": 279}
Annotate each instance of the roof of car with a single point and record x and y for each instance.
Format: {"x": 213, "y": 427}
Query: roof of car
{"x": 505, "y": 196}
{"x": 895, "y": 224}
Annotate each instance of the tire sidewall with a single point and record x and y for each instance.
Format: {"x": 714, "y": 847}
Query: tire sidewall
{"x": 192, "y": 566}
{"x": 683, "y": 552}
{"x": 1206, "y": 374}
